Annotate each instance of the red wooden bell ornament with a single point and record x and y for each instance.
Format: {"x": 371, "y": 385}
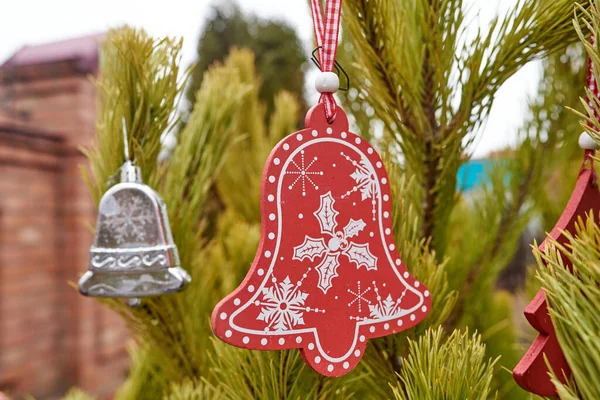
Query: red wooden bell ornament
{"x": 327, "y": 275}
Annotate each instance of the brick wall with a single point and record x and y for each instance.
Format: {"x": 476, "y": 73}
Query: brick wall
{"x": 51, "y": 338}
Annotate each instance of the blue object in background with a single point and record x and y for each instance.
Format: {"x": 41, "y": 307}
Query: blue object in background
{"x": 474, "y": 173}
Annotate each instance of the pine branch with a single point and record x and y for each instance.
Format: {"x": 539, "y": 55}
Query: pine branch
{"x": 507, "y": 219}
{"x": 179, "y": 341}
{"x": 452, "y": 369}
{"x": 362, "y": 21}
{"x": 137, "y": 92}
{"x": 573, "y": 298}
{"x": 190, "y": 390}
{"x": 573, "y": 294}
{"x": 432, "y": 159}
{"x": 76, "y": 394}
{"x": 415, "y": 101}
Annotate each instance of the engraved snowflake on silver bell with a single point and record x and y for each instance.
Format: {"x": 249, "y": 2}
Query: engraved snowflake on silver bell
{"x": 133, "y": 253}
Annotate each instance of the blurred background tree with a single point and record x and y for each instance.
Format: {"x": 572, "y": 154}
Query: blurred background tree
{"x": 421, "y": 94}
{"x": 279, "y": 55}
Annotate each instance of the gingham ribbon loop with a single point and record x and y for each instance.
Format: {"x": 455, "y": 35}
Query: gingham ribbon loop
{"x": 326, "y": 35}
{"x": 591, "y": 80}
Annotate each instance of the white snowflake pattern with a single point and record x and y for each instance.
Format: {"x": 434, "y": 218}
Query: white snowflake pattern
{"x": 366, "y": 181}
{"x": 303, "y": 173}
{"x": 283, "y": 305}
{"x": 337, "y": 244}
{"x": 387, "y": 308}
{"x": 128, "y": 222}
{"x": 359, "y": 297}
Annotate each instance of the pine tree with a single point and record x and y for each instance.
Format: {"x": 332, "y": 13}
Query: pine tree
{"x": 430, "y": 89}
{"x": 279, "y": 56}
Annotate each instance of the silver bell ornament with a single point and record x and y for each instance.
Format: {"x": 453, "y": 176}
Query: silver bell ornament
{"x": 133, "y": 254}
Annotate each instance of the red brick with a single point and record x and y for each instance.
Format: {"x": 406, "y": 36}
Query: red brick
{"x": 50, "y": 337}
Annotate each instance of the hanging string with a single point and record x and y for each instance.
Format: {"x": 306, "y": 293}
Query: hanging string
{"x": 326, "y": 35}
{"x": 125, "y": 139}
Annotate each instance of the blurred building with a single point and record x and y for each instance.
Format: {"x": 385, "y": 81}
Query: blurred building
{"x": 51, "y": 338}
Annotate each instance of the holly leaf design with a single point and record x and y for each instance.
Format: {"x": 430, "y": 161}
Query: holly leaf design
{"x": 361, "y": 255}
{"x": 327, "y": 270}
{"x": 326, "y": 214}
{"x": 310, "y": 248}
{"x": 353, "y": 228}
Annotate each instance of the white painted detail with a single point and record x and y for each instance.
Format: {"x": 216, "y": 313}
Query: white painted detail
{"x": 313, "y": 248}
{"x": 586, "y": 142}
{"x": 283, "y": 305}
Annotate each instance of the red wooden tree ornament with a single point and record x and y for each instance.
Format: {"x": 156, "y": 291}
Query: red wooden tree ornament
{"x": 327, "y": 275}
{"x": 532, "y": 373}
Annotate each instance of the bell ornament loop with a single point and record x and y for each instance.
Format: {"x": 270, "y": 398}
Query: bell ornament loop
{"x": 133, "y": 254}
{"x": 131, "y": 173}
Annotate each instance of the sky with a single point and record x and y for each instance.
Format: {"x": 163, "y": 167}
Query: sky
{"x": 40, "y": 21}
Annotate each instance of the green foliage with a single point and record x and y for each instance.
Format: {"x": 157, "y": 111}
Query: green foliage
{"x": 145, "y": 375}
{"x": 249, "y": 375}
{"x": 279, "y": 53}
{"x": 432, "y": 89}
{"x": 560, "y": 88}
{"x": 573, "y": 300}
{"x": 144, "y": 92}
{"x": 573, "y": 294}
{"x": 189, "y": 390}
{"x": 178, "y": 338}
{"x": 253, "y": 142}
{"x": 76, "y": 394}
{"x": 455, "y": 368}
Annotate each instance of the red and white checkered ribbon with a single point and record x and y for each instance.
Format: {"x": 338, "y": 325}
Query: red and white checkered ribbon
{"x": 591, "y": 80}
{"x": 326, "y": 35}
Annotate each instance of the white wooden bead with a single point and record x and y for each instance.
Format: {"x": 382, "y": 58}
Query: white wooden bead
{"x": 587, "y": 143}
{"x": 327, "y": 82}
